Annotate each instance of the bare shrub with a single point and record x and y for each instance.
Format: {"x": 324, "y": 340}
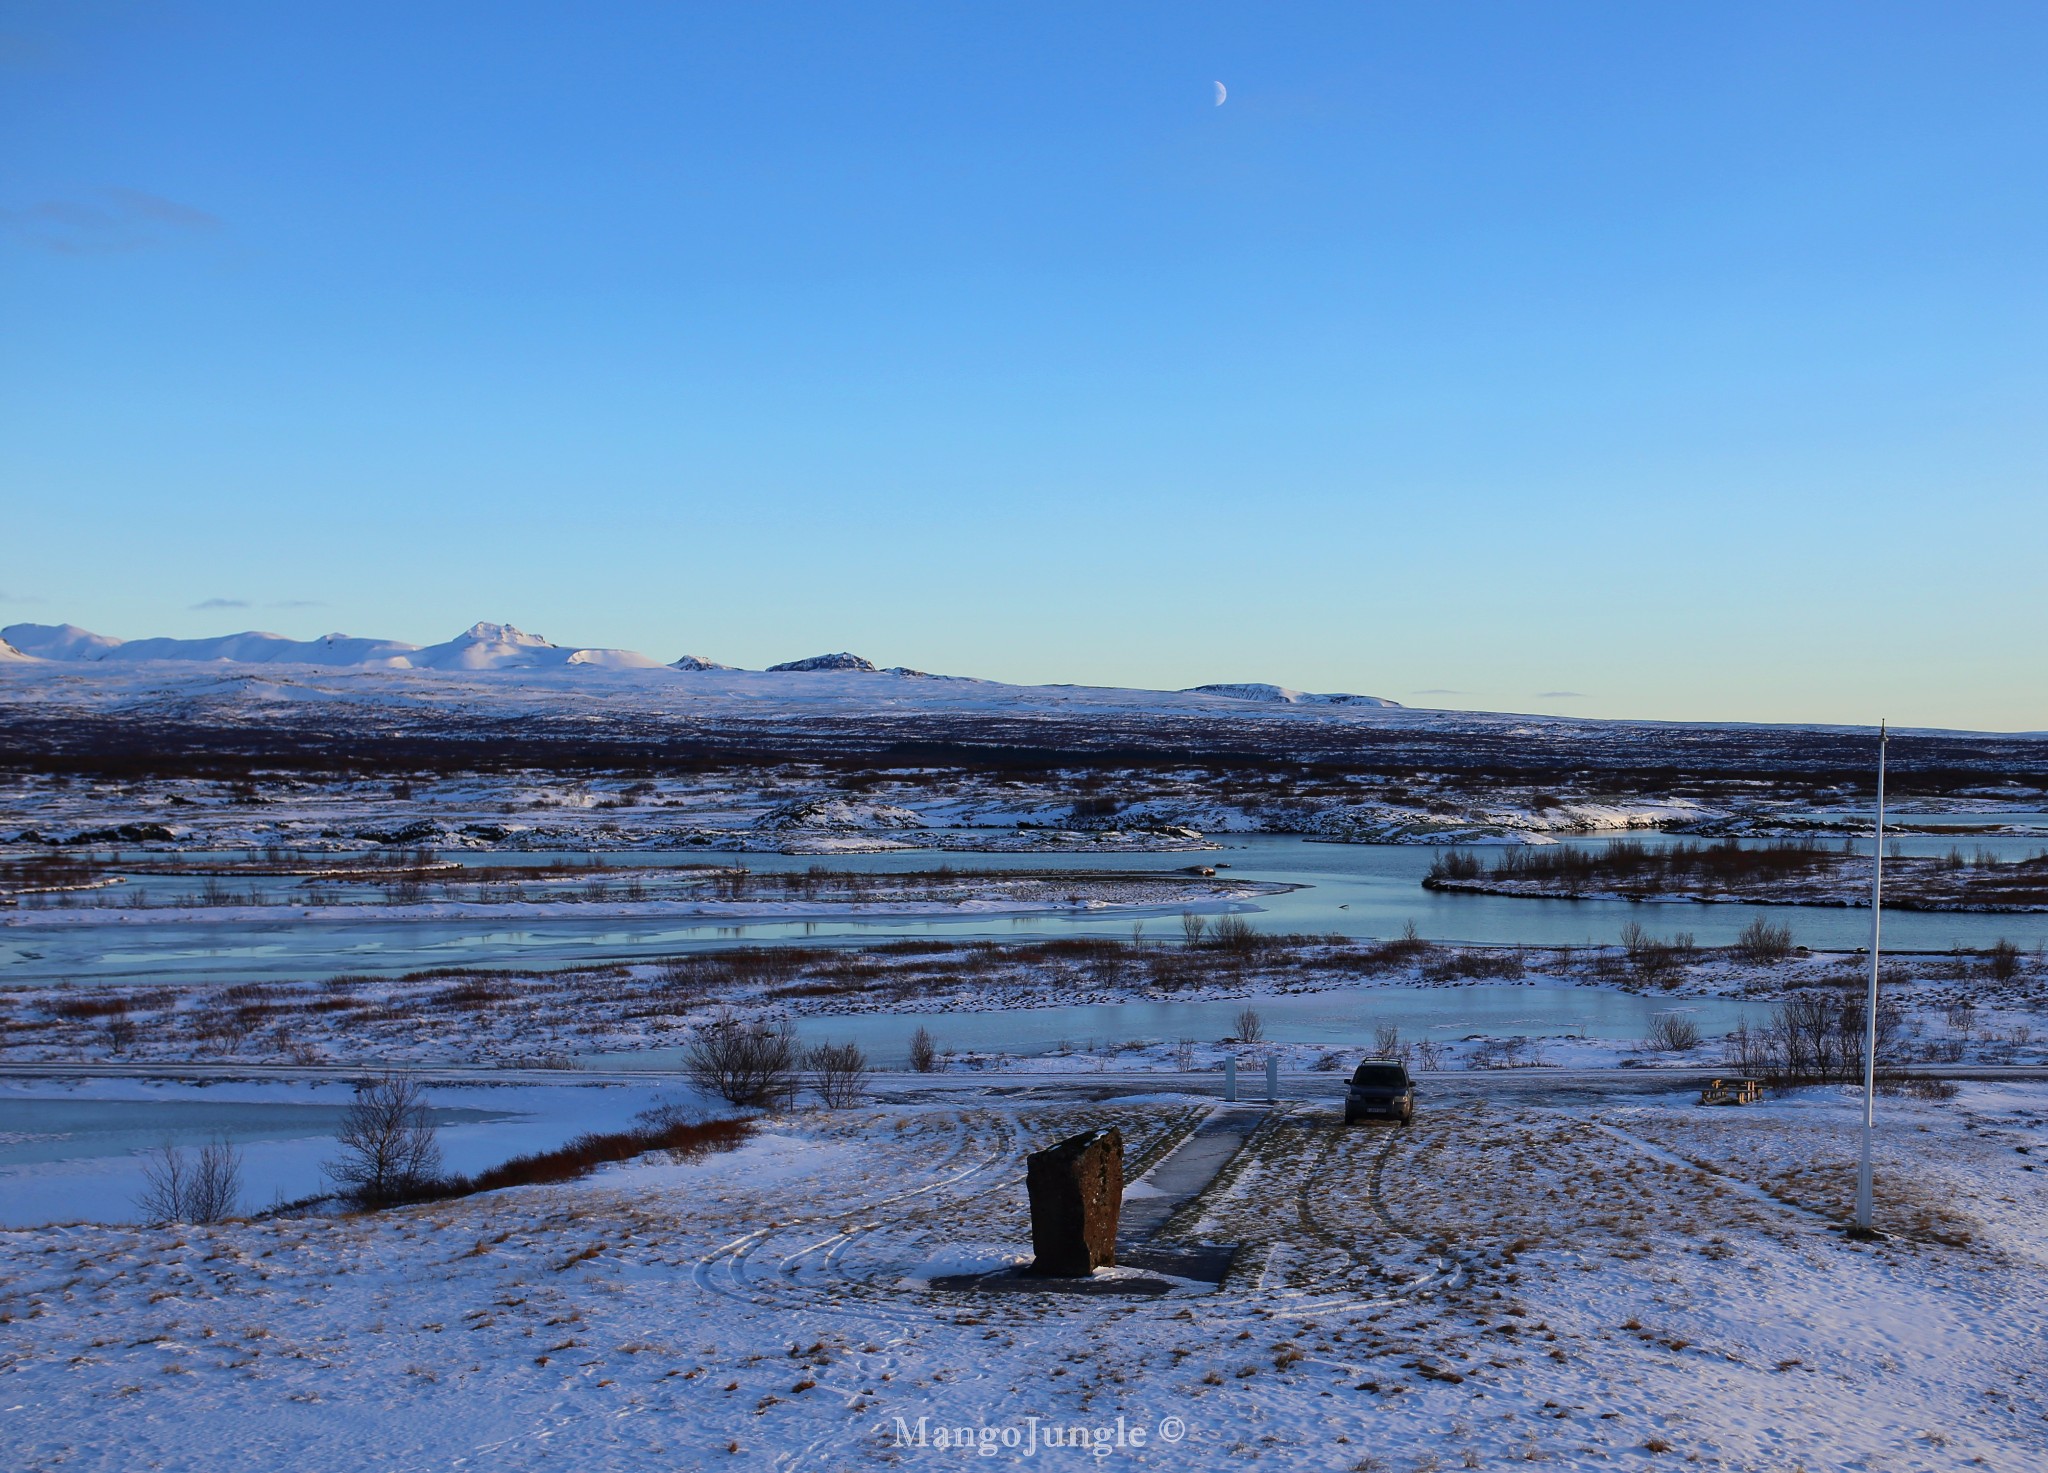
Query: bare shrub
{"x": 389, "y": 1149}
{"x": 215, "y": 1184}
{"x": 1250, "y": 1026}
{"x": 1818, "y": 1037}
{"x": 163, "y": 1186}
{"x": 1429, "y": 1053}
{"x": 1386, "y": 1041}
{"x": 1235, "y": 934}
{"x": 743, "y": 1061}
{"x": 1454, "y": 864}
{"x": 1654, "y": 962}
{"x": 1748, "y": 1050}
{"x": 1920, "y": 1087}
{"x": 1184, "y": 1054}
{"x": 838, "y": 1072}
{"x": 1192, "y": 926}
{"x": 924, "y": 1051}
{"x": 2004, "y": 960}
{"x": 1673, "y": 1033}
{"x": 665, "y": 1130}
{"x": 1763, "y": 944}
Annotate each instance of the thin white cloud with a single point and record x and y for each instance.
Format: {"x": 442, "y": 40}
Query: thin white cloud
{"x": 221, "y": 603}
{"x": 106, "y": 222}
{"x": 1562, "y": 695}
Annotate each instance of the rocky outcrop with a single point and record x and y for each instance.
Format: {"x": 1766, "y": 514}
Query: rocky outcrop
{"x": 1077, "y": 1192}
{"x": 698, "y": 662}
{"x": 840, "y": 661}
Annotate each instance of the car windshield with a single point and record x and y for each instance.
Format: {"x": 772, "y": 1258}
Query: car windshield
{"x": 1381, "y": 1076}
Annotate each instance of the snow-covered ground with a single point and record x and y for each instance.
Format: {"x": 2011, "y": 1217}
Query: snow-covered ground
{"x": 803, "y": 808}
{"x": 1571, "y": 1280}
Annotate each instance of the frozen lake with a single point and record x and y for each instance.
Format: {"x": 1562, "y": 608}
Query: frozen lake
{"x": 1348, "y": 889}
{"x": 76, "y": 1151}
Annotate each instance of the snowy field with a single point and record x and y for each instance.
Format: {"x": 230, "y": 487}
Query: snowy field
{"x": 1537, "y": 1275}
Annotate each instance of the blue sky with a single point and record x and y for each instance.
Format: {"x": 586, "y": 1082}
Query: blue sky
{"x": 1652, "y": 360}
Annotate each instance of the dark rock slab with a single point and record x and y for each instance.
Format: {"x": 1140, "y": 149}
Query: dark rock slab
{"x": 1077, "y": 1193}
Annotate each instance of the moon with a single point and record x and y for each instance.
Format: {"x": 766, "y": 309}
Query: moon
{"x": 1222, "y": 92}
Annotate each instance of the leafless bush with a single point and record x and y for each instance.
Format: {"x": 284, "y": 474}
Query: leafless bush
{"x": 1184, "y": 1054}
{"x": 1748, "y": 1050}
{"x": 1818, "y": 1037}
{"x": 1192, "y": 926}
{"x": 1386, "y": 1041}
{"x": 1429, "y": 1053}
{"x": 838, "y": 1072}
{"x": 1250, "y": 1026}
{"x": 202, "y": 1189}
{"x": 1763, "y": 944}
{"x": 389, "y": 1150}
{"x": 2004, "y": 960}
{"x": 1656, "y": 962}
{"x": 924, "y": 1051}
{"x": 743, "y": 1061}
{"x": 1673, "y": 1033}
{"x": 1235, "y": 934}
{"x": 1919, "y": 1087}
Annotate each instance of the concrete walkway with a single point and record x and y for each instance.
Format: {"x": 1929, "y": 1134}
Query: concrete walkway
{"x": 1186, "y": 1170}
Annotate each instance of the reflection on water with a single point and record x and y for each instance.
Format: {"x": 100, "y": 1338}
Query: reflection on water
{"x": 1358, "y": 890}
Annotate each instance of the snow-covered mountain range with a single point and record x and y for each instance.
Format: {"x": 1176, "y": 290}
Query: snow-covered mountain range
{"x": 491, "y": 647}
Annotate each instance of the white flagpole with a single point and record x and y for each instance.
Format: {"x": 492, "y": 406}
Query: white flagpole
{"x": 1863, "y": 1189}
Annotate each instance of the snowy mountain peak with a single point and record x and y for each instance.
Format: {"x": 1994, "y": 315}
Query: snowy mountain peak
{"x": 840, "y": 661}
{"x": 9, "y": 652}
{"x": 698, "y": 662}
{"x": 487, "y": 633}
{"x": 487, "y": 646}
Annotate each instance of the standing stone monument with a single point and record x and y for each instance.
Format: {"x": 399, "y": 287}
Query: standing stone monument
{"x": 1077, "y": 1191}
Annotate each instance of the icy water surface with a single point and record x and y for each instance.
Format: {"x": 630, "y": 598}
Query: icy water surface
{"x": 1360, "y": 890}
{"x": 76, "y": 1151}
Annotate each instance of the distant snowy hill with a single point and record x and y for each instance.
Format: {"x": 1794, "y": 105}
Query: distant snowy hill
{"x": 9, "y": 652}
{"x": 57, "y": 641}
{"x": 481, "y": 647}
{"x": 256, "y": 670}
{"x": 1255, "y": 691}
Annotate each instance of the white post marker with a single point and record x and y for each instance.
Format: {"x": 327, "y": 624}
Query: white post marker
{"x": 1863, "y": 1189}
{"x": 1272, "y": 1079}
